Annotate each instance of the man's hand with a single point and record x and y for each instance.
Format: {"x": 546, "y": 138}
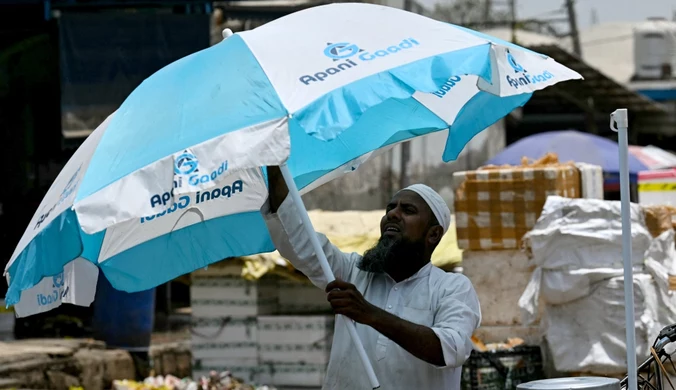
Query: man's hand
{"x": 345, "y": 299}
{"x": 418, "y": 340}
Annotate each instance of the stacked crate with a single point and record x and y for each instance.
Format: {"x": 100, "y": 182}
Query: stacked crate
{"x": 295, "y": 350}
{"x": 301, "y": 298}
{"x": 268, "y": 331}
{"x": 225, "y": 309}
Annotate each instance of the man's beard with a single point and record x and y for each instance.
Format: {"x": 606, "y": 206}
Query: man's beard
{"x": 389, "y": 252}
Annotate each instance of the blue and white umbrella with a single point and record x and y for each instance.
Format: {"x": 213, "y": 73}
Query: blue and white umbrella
{"x": 173, "y": 180}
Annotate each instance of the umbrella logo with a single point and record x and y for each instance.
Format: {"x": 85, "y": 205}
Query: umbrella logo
{"x": 350, "y": 56}
{"x": 57, "y": 281}
{"x": 70, "y": 186}
{"x": 515, "y": 65}
{"x": 523, "y": 78}
{"x": 185, "y": 164}
{"x": 67, "y": 191}
{"x": 341, "y": 51}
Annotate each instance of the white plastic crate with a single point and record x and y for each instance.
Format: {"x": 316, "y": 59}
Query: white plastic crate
{"x": 295, "y": 339}
{"x": 221, "y": 296}
{"x": 301, "y": 375}
{"x": 301, "y": 298}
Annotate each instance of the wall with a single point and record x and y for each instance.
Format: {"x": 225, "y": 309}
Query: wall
{"x": 371, "y": 186}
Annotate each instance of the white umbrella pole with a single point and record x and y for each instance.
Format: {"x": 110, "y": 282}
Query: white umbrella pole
{"x": 619, "y": 123}
{"x": 328, "y": 274}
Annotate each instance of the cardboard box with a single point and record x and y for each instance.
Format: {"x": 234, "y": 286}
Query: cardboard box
{"x": 658, "y": 218}
{"x": 591, "y": 181}
{"x": 494, "y": 208}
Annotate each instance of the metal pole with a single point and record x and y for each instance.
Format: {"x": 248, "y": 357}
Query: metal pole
{"x": 487, "y": 12}
{"x": 512, "y": 17}
{"x": 572, "y": 20}
{"x": 619, "y": 122}
{"x": 406, "y": 145}
{"x": 403, "y": 167}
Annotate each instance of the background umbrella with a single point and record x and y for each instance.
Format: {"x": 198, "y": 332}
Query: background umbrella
{"x": 173, "y": 180}
{"x": 652, "y": 157}
{"x": 577, "y": 146}
{"x": 569, "y": 145}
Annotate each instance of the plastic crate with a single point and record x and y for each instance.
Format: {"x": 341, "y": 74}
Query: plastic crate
{"x": 502, "y": 370}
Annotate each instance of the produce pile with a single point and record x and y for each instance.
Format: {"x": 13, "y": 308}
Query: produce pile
{"x": 215, "y": 381}
{"x": 510, "y": 344}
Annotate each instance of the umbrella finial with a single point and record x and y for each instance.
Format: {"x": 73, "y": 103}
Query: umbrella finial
{"x": 226, "y": 33}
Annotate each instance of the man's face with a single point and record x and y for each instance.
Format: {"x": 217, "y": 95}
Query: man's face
{"x": 407, "y": 218}
{"x": 406, "y": 233}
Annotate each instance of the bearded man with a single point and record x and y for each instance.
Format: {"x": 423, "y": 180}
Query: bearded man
{"x": 414, "y": 320}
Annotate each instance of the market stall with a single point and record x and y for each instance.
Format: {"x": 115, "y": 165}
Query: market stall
{"x": 657, "y": 187}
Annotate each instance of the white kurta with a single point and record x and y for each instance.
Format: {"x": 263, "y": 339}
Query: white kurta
{"x": 445, "y": 302}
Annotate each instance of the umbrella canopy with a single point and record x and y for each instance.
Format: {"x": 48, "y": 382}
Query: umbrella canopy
{"x": 174, "y": 180}
{"x": 569, "y": 145}
{"x": 652, "y": 157}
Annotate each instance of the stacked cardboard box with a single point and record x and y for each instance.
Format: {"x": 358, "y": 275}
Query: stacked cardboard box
{"x": 494, "y": 208}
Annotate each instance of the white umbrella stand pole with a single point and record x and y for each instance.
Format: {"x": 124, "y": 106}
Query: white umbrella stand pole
{"x": 321, "y": 256}
{"x": 619, "y": 123}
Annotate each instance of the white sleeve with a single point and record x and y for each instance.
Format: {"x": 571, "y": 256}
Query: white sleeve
{"x": 458, "y": 315}
{"x": 290, "y": 239}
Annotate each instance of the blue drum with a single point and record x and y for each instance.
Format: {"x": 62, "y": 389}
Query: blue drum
{"x": 123, "y": 320}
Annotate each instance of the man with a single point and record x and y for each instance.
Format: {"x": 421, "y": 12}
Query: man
{"x": 414, "y": 319}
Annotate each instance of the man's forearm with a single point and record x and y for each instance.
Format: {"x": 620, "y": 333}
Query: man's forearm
{"x": 420, "y": 341}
